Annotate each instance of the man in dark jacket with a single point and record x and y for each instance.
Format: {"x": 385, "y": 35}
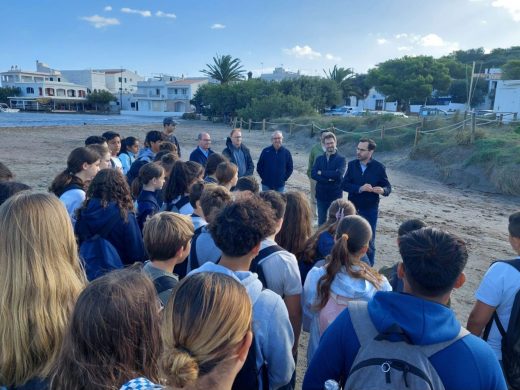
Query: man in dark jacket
{"x": 275, "y": 164}
{"x": 169, "y": 126}
{"x": 239, "y": 154}
{"x": 365, "y": 181}
{"x": 203, "y": 150}
{"x": 328, "y": 171}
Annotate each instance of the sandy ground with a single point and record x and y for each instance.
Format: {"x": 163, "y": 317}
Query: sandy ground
{"x": 36, "y": 155}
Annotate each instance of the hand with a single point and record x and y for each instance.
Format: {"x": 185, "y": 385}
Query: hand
{"x": 366, "y": 188}
{"x": 378, "y": 190}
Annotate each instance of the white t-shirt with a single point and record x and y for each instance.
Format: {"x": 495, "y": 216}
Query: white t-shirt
{"x": 281, "y": 271}
{"x": 117, "y": 163}
{"x": 498, "y": 289}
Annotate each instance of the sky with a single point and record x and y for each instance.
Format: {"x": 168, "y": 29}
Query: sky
{"x": 180, "y": 37}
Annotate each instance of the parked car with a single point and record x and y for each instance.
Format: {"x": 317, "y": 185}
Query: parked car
{"x": 343, "y": 111}
{"x": 430, "y": 111}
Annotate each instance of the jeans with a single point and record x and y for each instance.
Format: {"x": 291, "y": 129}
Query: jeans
{"x": 371, "y": 216}
{"x": 323, "y": 207}
{"x": 277, "y": 189}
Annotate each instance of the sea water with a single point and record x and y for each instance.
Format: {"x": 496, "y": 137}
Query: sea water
{"x": 38, "y": 119}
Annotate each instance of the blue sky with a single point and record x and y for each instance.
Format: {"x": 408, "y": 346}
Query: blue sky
{"x": 174, "y": 37}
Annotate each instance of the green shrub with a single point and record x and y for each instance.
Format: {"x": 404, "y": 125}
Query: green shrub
{"x": 190, "y": 115}
{"x": 275, "y": 106}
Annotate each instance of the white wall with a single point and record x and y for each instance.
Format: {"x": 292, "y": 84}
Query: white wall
{"x": 507, "y": 98}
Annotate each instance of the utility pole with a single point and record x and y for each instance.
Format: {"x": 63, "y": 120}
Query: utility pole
{"x": 468, "y": 102}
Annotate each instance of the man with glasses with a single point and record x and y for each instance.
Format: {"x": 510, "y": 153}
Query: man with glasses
{"x": 239, "y": 154}
{"x": 203, "y": 150}
{"x": 365, "y": 180}
{"x": 275, "y": 164}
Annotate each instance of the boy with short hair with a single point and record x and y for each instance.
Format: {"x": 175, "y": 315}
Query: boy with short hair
{"x": 497, "y": 292}
{"x": 166, "y": 239}
{"x": 114, "y": 145}
{"x": 238, "y": 230}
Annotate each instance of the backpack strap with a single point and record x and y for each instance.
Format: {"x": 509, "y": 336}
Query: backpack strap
{"x": 366, "y": 331}
{"x": 163, "y": 283}
{"x": 515, "y": 263}
{"x": 194, "y": 259}
{"x": 255, "y": 264}
{"x": 184, "y": 200}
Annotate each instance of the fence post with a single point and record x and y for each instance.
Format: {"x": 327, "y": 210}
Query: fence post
{"x": 263, "y": 126}
{"x": 234, "y": 122}
{"x": 465, "y": 117}
{"x": 333, "y": 129}
{"x": 290, "y": 127}
{"x": 473, "y": 127}
{"x": 423, "y": 122}
{"x": 382, "y": 132}
{"x": 501, "y": 118}
{"x": 312, "y": 129}
{"x": 416, "y": 141}
{"x": 249, "y": 124}
{"x": 241, "y": 123}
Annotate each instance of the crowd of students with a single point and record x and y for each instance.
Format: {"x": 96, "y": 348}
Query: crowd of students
{"x": 204, "y": 282}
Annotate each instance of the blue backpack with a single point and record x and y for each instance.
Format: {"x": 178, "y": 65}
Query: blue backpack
{"x": 98, "y": 255}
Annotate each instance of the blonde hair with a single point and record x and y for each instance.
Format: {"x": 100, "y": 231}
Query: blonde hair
{"x": 165, "y": 233}
{"x": 205, "y": 321}
{"x": 41, "y": 279}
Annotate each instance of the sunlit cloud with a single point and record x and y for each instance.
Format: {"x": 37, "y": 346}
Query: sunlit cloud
{"x": 108, "y": 8}
{"x": 332, "y": 57}
{"x": 143, "y": 13}
{"x": 217, "y": 26}
{"x": 100, "y": 21}
{"x": 303, "y": 52}
{"x": 511, "y": 6}
{"x": 161, "y": 14}
{"x": 382, "y": 41}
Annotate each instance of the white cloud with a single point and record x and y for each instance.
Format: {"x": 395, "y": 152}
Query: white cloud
{"x": 332, "y": 57}
{"x": 399, "y": 36}
{"x": 405, "y": 48}
{"x": 108, "y": 8}
{"x": 433, "y": 40}
{"x": 511, "y": 6}
{"x": 483, "y": 22}
{"x": 382, "y": 41}
{"x": 217, "y": 26}
{"x": 99, "y": 21}
{"x": 161, "y": 14}
{"x": 143, "y": 13}
{"x": 303, "y": 52}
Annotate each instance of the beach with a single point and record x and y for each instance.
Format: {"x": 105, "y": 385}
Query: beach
{"x": 37, "y": 154}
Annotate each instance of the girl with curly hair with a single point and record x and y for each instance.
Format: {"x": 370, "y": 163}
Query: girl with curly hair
{"x": 109, "y": 201}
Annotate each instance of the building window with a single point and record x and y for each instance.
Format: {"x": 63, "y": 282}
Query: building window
{"x": 71, "y": 93}
{"x": 132, "y": 105}
{"x": 59, "y": 79}
{"x": 51, "y": 78}
{"x": 49, "y": 91}
{"x": 125, "y": 79}
{"x": 119, "y": 79}
{"x": 29, "y": 90}
{"x": 81, "y": 93}
{"x": 157, "y": 91}
{"x": 60, "y": 92}
{"x": 184, "y": 91}
{"x": 175, "y": 91}
{"x": 40, "y": 91}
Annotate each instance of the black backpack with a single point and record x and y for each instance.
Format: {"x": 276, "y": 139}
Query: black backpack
{"x": 194, "y": 259}
{"x": 511, "y": 338}
{"x": 176, "y": 206}
{"x": 257, "y": 268}
{"x": 247, "y": 377}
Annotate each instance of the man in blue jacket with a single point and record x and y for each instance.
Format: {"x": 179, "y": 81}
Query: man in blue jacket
{"x": 203, "y": 150}
{"x": 365, "y": 181}
{"x": 275, "y": 164}
{"x": 433, "y": 264}
{"x": 328, "y": 171}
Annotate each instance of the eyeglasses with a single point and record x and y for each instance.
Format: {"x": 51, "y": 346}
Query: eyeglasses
{"x": 361, "y": 150}
{"x": 237, "y": 137}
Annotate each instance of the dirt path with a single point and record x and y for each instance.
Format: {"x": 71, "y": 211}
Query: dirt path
{"x": 36, "y": 155}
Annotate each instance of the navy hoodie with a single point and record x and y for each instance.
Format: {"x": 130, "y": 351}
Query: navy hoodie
{"x": 125, "y": 236}
{"x": 468, "y": 363}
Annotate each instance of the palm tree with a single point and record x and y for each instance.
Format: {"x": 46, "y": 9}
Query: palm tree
{"x": 224, "y": 69}
{"x": 343, "y": 77}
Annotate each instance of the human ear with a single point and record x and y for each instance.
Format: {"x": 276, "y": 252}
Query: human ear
{"x": 461, "y": 279}
{"x": 243, "y": 348}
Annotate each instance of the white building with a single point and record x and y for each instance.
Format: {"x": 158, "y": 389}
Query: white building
{"x": 165, "y": 95}
{"x": 44, "y": 89}
{"x": 507, "y": 99}
{"x": 280, "y": 74}
{"x": 375, "y": 101}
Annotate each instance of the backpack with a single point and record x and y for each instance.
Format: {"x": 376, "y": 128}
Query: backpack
{"x": 328, "y": 313}
{"x": 257, "y": 268}
{"x": 247, "y": 377}
{"x": 98, "y": 255}
{"x": 384, "y": 364}
{"x": 176, "y": 206}
{"x": 511, "y": 338}
{"x": 194, "y": 259}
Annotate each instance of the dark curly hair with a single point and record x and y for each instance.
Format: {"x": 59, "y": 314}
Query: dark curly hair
{"x": 109, "y": 185}
{"x": 241, "y": 225}
{"x": 183, "y": 175}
